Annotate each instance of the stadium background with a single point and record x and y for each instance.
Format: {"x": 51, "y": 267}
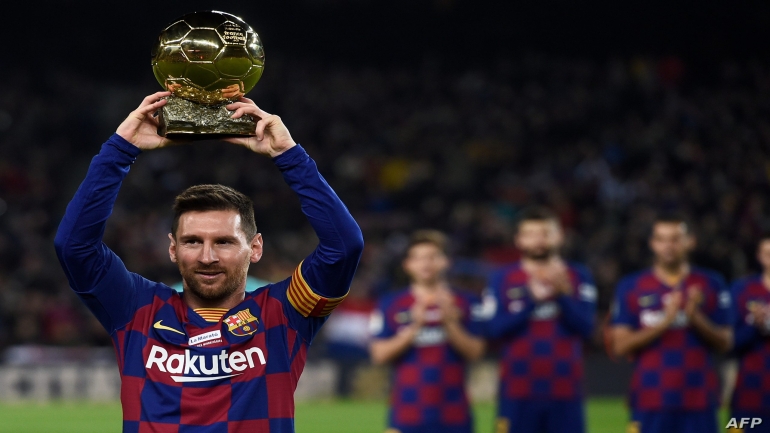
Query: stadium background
{"x": 446, "y": 113}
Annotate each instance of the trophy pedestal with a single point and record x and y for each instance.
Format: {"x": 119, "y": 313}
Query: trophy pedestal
{"x": 181, "y": 118}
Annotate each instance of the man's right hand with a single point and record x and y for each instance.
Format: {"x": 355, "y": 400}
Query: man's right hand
{"x": 417, "y": 313}
{"x": 761, "y": 316}
{"x": 672, "y": 305}
{"x": 141, "y": 126}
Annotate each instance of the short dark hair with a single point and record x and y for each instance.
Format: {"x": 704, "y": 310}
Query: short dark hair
{"x": 672, "y": 218}
{"x": 201, "y": 198}
{"x": 535, "y": 213}
{"x": 427, "y": 236}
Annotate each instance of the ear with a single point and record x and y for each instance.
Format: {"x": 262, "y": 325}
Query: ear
{"x": 256, "y": 248}
{"x": 447, "y": 264}
{"x": 692, "y": 242}
{"x": 559, "y": 235}
{"x": 172, "y": 248}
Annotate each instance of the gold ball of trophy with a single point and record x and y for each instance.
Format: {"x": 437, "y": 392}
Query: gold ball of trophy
{"x": 207, "y": 60}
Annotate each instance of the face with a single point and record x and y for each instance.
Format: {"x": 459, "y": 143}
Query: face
{"x": 213, "y": 253}
{"x": 763, "y": 254}
{"x": 671, "y": 243}
{"x": 425, "y": 263}
{"x": 539, "y": 240}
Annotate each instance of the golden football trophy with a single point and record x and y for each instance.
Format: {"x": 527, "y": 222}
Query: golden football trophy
{"x": 206, "y": 60}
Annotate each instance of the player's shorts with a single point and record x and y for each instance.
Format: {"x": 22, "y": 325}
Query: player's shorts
{"x": 679, "y": 421}
{"x": 433, "y": 428}
{"x": 540, "y": 416}
{"x": 764, "y": 427}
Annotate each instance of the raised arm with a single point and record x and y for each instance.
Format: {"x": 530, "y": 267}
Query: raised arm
{"x": 388, "y": 343}
{"x": 715, "y": 328}
{"x": 323, "y": 278}
{"x": 510, "y": 317}
{"x": 748, "y": 325}
{"x": 93, "y": 270}
{"x": 626, "y": 338}
{"x": 578, "y": 306}
{"x": 463, "y": 333}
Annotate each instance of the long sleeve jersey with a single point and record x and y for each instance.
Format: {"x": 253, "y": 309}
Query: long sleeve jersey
{"x": 180, "y": 372}
{"x": 676, "y": 371}
{"x": 752, "y": 347}
{"x": 542, "y": 341}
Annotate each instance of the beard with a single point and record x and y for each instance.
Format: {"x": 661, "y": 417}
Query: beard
{"x": 671, "y": 263}
{"x": 538, "y": 254}
{"x": 217, "y": 291}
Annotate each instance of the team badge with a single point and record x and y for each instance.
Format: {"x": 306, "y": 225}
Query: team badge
{"x": 515, "y": 292}
{"x": 242, "y": 323}
{"x": 402, "y": 317}
{"x": 646, "y": 301}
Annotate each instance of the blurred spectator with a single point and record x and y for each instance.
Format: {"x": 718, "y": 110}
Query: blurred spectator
{"x": 460, "y": 148}
{"x": 346, "y": 335}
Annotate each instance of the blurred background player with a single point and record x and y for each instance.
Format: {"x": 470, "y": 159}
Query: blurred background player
{"x": 670, "y": 318}
{"x": 428, "y": 333}
{"x": 544, "y": 310}
{"x": 751, "y": 397}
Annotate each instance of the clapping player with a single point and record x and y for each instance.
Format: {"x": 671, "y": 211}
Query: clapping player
{"x": 545, "y": 310}
{"x": 751, "y": 397}
{"x": 429, "y": 333}
{"x": 214, "y": 358}
{"x": 670, "y": 319}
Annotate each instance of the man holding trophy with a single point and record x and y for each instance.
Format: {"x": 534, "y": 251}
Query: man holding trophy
{"x": 214, "y": 358}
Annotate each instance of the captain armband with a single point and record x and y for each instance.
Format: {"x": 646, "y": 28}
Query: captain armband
{"x": 306, "y": 301}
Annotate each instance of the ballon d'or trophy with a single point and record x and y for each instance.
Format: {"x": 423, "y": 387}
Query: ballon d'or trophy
{"x": 206, "y": 60}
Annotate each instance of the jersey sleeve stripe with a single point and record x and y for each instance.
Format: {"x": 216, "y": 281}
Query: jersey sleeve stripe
{"x": 298, "y": 303}
{"x": 302, "y": 297}
{"x": 308, "y": 303}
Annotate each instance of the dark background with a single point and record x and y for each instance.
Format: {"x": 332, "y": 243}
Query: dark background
{"x": 609, "y": 112}
{"x": 114, "y": 39}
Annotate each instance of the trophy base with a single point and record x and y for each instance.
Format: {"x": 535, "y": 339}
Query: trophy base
{"x": 181, "y": 118}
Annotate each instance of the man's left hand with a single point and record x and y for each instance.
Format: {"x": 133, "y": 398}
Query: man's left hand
{"x": 272, "y": 137}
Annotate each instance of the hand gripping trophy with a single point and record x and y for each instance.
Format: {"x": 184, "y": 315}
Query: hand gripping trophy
{"x": 206, "y": 60}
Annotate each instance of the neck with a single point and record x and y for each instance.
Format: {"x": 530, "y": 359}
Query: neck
{"x": 671, "y": 274}
{"x": 227, "y": 303}
{"x": 429, "y": 286}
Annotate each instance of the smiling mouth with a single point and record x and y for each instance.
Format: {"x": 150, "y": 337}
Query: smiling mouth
{"x": 208, "y": 275}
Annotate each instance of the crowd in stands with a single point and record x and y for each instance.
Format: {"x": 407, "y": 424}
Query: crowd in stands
{"x": 605, "y": 143}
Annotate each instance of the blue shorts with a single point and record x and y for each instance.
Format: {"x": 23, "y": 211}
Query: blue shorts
{"x": 679, "y": 421}
{"x": 432, "y": 428}
{"x": 759, "y": 428}
{"x": 540, "y": 416}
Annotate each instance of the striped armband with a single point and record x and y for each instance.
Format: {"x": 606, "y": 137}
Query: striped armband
{"x": 306, "y": 301}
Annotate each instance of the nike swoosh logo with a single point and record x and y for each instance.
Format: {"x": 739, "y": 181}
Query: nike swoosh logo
{"x": 157, "y": 325}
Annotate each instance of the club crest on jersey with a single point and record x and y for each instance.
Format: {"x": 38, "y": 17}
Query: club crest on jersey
{"x": 516, "y": 292}
{"x": 242, "y": 323}
{"x": 647, "y": 300}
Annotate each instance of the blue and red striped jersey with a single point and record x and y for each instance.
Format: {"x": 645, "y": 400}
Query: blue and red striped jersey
{"x": 542, "y": 341}
{"x": 180, "y": 372}
{"x": 428, "y": 388}
{"x": 676, "y": 371}
{"x": 752, "y": 346}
